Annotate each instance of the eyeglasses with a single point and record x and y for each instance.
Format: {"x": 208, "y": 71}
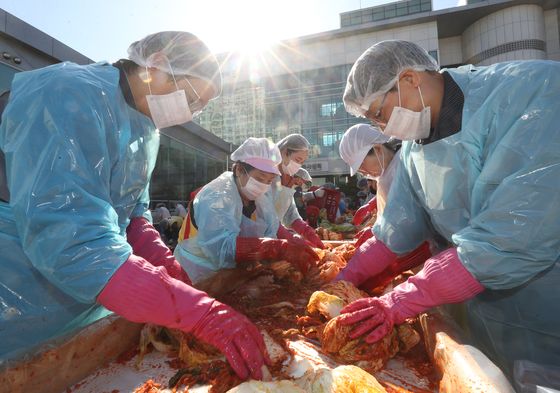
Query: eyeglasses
{"x": 375, "y": 118}
{"x": 197, "y": 105}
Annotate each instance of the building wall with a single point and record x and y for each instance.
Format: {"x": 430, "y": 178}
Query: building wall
{"x": 298, "y": 89}
{"x": 514, "y": 33}
{"x": 298, "y": 86}
{"x": 552, "y": 33}
{"x": 450, "y": 51}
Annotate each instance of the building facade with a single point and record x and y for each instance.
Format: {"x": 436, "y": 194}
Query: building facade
{"x": 297, "y": 86}
{"x": 189, "y": 156}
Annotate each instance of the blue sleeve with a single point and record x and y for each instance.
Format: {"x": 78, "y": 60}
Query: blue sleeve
{"x": 291, "y": 215}
{"x": 404, "y": 224}
{"x": 142, "y": 208}
{"x": 58, "y": 166}
{"x": 514, "y": 232}
{"x": 266, "y": 209}
{"x": 218, "y": 220}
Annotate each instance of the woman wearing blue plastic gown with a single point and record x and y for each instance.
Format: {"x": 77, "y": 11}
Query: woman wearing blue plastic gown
{"x": 232, "y": 221}
{"x": 295, "y": 150}
{"x": 480, "y": 167}
{"x": 368, "y": 151}
{"x": 80, "y": 144}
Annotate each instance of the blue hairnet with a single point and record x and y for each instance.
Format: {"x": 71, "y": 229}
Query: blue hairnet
{"x": 186, "y": 53}
{"x": 377, "y": 70}
{"x": 294, "y": 142}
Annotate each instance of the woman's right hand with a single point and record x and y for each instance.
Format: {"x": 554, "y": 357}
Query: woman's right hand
{"x": 141, "y": 292}
{"x": 236, "y": 337}
{"x": 300, "y": 255}
{"x": 363, "y": 211}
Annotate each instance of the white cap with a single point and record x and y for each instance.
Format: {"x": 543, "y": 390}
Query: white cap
{"x": 357, "y": 141}
{"x": 302, "y": 173}
{"x": 259, "y": 153}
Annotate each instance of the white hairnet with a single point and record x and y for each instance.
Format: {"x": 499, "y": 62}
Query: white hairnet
{"x": 302, "y": 173}
{"x": 259, "y": 153}
{"x": 377, "y": 70}
{"x": 186, "y": 53}
{"x": 357, "y": 141}
{"x": 294, "y": 142}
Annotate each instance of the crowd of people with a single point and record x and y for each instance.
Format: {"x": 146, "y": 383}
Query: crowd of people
{"x": 462, "y": 167}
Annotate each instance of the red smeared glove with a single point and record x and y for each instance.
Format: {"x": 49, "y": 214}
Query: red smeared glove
{"x": 291, "y": 237}
{"x": 443, "y": 280}
{"x": 254, "y": 249}
{"x": 146, "y": 243}
{"x": 141, "y": 292}
{"x": 308, "y": 233}
{"x": 362, "y": 236}
{"x": 363, "y": 211}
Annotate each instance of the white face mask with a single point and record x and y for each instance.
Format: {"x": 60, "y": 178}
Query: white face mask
{"x": 254, "y": 188}
{"x": 170, "y": 109}
{"x": 291, "y": 168}
{"x": 408, "y": 125}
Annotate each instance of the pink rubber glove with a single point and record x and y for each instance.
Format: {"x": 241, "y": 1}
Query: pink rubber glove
{"x": 363, "y": 211}
{"x": 400, "y": 265}
{"x": 362, "y": 236}
{"x": 147, "y": 243}
{"x": 370, "y": 259}
{"x": 141, "y": 292}
{"x": 291, "y": 237}
{"x": 443, "y": 280}
{"x": 308, "y": 233}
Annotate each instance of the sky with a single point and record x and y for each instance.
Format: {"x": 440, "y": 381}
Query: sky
{"x": 103, "y": 29}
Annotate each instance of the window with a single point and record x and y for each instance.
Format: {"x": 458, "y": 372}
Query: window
{"x": 6, "y": 75}
{"x": 329, "y": 109}
{"x": 356, "y": 19}
{"x": 390, "y": 12}
{"x": 330, "y": 138}
{"x": 434, "y": 54}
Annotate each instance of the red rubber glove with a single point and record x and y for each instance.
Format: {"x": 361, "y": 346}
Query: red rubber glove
{"x": 146, "y": 243}
{"x": 291, "y": 237}
{"x": 362, "y": 236}
{"x": 141, "y": 292}
{"x": 443, "y": 280}
{"x": 308, "y": 233}
{"x": 370, "y": 259}
{"x": 254, "y": 249}
{"x": 363, "y": 211}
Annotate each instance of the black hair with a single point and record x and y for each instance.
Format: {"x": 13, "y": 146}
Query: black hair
{"x": 247, "y": 167}
{"x": 128, "y": 66}
{"x": 392, "y": 144}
